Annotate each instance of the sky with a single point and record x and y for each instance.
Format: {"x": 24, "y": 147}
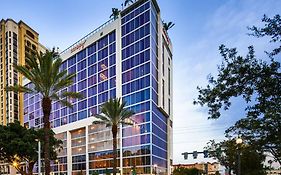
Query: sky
{"x": 200, "y": 27}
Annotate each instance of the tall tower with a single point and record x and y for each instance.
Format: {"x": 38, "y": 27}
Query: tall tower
{"x": 16, "y": 40}
{"x": 129, "y": 57}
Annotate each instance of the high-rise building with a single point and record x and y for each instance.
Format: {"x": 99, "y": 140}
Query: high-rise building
{"x": 16, "y": 40}
{"x": 128, "y": 57}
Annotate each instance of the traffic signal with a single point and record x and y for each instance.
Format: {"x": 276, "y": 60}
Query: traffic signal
{"x": 195, "y": 154}
{"x": 205, "y": 152}
{"x": 185, "y": 155}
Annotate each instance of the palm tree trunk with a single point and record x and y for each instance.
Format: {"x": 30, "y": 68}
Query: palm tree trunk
{"x": 114, "y": 133}
{"x": 46, "y": 106}
{"x": 30, "y": 167}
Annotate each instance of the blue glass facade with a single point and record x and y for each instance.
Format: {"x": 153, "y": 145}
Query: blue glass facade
{"x": 144, "y": 144}
{"x": 140, "y": 87}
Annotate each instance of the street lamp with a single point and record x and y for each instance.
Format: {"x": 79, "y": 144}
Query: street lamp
{"x": 39, "y": 156}
{"x": 15, "y": 164}
{"x": 58, "y": 162}
{"x": 155, "y": 168}
{"x": 239, "y": 142}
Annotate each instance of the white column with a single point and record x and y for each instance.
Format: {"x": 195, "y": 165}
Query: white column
{"x": 120, "y": 150}
{"x": 69, "y": 153}
{"x": 119, "y": 82}
{"x": 87, "y": 154}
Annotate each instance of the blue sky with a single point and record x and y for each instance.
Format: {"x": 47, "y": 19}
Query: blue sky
{"x": 201, "y": 26}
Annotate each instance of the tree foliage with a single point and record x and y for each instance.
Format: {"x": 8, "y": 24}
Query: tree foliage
{"x": 115, "y": 13}
{"x": 272, "y": 29}
{"x": 258, "y": 82}
{"x": 226, "y": 152}
{"x": 18, "y": 144}
{"x": 168, "y": 26}
{"x": 186, "y": 171}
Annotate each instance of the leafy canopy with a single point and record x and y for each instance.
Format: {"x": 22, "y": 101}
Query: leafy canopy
{"x": 226, "y": 153}
{"x": 258, "y": 82}
{"x": 18, "y": 144}
{"x": 186, "y": 171}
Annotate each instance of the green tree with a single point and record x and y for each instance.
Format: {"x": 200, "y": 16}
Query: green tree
{"x": 217, "y": 173}
{"x": 186, "y": 171}
{"x": 113, "y": 113}
{"x": 18, "y": 145}
{"x": 226, "y": 152}
{"x": 94, "y": 173}
{"x": 115, "y": 13}
{"x": 168, "y": 26}
{"x": 43, "y": 71}
{"x": 259, "y": 83}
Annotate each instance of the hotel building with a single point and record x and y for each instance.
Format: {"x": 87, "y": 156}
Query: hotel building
{"x": 128, "y": 57}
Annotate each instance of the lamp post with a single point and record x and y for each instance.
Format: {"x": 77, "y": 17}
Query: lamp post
{"x": 39, "y": 156}
{"x": 58, "y": 162}
{"x": 239, "y": 142}
{"x": 155, "y": 168}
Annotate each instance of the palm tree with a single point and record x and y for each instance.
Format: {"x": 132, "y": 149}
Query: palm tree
{"x": 113, "y": 113}
{"x": 115, "y": 13}
{"x": 168, "y": 25}
{"x": 127, "y": 2}
{"x": 43, "y": 71}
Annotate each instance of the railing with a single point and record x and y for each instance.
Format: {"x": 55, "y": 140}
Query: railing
{"x": 88, "y": 35}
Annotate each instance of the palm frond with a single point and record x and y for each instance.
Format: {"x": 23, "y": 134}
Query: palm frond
{"x": 115, "y": 111}
{"x": 99, "y": 122}
{"x": 127, "y": 123}
{"x": 76, "y": 95}
{"x": 102, "y": 118}
{"x": 63, "y": 82}
{"x": 66, "y": 103}
{"x": 126, "y": 114}
{"x": 19, "y": 88}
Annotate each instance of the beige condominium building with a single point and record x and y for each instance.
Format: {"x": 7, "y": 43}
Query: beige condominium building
{"x": 16, "y": 40}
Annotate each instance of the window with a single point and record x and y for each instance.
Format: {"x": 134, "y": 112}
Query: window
{"x": 92, "y": 59}
{"x": 81, "y": 65}
{"x": 82, "y": 85}
{"x": 92, "y": 101}
{"x": 92, "y": 91}
{"x": 82, "y": 75}
{"x": 92, "y": 70}
{"x": 81, "y": 55}
{"x": 82, "y": 104}
{"x": 92, "y": 49}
